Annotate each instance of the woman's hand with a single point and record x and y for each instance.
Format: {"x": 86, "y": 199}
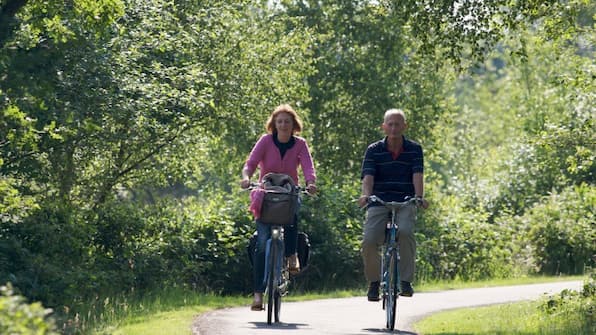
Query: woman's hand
{"x": 311, "y": 188}
{"x": 245, "y": 183}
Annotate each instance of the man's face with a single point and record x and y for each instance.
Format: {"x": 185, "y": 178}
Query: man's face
{"x": 394, "y": 125}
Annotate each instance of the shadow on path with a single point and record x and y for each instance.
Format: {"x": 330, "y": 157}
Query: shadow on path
{"x": 387, "y": 331}
{"x": 279, "y": 325}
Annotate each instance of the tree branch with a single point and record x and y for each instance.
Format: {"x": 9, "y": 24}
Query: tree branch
{"x": 110, "y": 182}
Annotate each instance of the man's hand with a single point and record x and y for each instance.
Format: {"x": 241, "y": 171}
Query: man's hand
{"x": 422, "y": 202}
{"x": 311, "y": 189}
{"x": 363, "y": 201}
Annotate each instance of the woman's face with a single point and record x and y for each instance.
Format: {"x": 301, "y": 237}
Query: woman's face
{"x": 284, "y": 123}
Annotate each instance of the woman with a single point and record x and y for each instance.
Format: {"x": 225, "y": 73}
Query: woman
{"x": 278, "y": 151}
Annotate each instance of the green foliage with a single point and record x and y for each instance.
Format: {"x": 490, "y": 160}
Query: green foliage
{"x": 19, "y": 317}
{"x": 125, "y": 125}
{"x": 46, "y": 255}
{"x": 562, "y": 232}
{"x": 333, "y": 222}
{"x": 525, "y": 125}
{"x": 555, "y": 158}
{"x": 456, "y": 242}
{"x": 566, "y": 313}
{"x": 572, "y": 305}
{"x": 366, "y": 63}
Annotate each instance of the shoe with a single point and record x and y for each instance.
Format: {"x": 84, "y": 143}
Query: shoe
{"x": 293, "y": 264}
{"x": 406, "y": 289}
{"x": 373, "y": 291}
{"x": 257, "y": 302}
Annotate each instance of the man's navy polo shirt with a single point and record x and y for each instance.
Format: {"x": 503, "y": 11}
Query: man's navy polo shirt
{"x": 393, "y": 177}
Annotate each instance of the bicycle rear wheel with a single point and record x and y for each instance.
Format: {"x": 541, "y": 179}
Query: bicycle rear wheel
{"x": 392, "y": 289}
{"x": 271, "y": 285}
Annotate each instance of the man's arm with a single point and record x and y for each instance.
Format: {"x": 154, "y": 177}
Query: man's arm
{"x": 418, "y": 180}
{"x": 367, "y": 187}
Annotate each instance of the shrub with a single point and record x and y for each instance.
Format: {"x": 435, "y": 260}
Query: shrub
{"x": 575, "y": 309}
{"x": 18, "y": 317}
{"x": 459, "y": 242}
{"x": 561, "y": 231}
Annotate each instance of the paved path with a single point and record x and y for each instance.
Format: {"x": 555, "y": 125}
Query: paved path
{"x": 356, "y": 316}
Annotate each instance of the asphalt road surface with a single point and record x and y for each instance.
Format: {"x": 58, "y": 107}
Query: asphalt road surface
{"x": 355, "y": 316}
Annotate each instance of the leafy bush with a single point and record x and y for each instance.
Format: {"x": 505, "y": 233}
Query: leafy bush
{"x": 48, "y": 253}
{"x": 556, "y": 157}
{"x": 333, "y": 222}
{"x": 575, "y": 309}
{"x": 18, "y": 317}
{"x": 458, "y": 242}
{"x": 561, "y": 231}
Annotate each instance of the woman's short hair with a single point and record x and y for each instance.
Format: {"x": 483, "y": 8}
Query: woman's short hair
{"x": 285, "y": 108}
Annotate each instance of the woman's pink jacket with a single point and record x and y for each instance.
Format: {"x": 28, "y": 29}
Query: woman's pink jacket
{"x": 266, "y": 156}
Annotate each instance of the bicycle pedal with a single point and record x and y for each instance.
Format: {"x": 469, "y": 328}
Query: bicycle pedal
{"x": 283, "y": 288}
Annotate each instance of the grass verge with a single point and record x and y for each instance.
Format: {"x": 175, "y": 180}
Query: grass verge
{"x": 522, "y": 318}
{"x": 566, "y": 313}
{"x": 459, "y": 284}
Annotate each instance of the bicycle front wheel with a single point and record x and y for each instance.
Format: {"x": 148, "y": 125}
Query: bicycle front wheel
{"x": 277, "y": 304}
{"x": 271, "y": 285}
{"x": 392, "y": 289}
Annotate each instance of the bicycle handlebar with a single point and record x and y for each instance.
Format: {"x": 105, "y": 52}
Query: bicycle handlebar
{"x": 409, "y": 201}
{"x": 297, "y": 188}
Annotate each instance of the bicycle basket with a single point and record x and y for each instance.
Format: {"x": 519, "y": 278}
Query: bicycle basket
{"x": 280, "y": 201}
{"x": 279, "y": 208}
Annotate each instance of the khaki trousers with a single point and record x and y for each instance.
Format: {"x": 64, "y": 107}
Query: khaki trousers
{"x": 374, "y": 236}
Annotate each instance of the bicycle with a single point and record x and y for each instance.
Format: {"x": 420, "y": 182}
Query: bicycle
{"x": 390, "y": 277}
{"x": 277, "y": 274}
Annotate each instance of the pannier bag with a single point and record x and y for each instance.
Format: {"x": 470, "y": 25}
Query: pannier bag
{"x": 280, "y": 201}
{"x": 303, "y": 248}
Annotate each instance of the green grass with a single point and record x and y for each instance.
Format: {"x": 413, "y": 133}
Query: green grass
{"x": 167, "y": 312}
{"x": 172, "y": 322}
{"x": 460, "y": 284}
{"x": 172, "y": 311}
{"x": 523, "y": 318}
{"x": 566, "y": 313}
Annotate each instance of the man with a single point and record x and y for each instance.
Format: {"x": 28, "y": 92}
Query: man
{"x": 392, "y": 170}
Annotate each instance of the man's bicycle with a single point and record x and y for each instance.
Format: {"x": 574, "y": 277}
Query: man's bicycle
{"x": 390, "y": 277}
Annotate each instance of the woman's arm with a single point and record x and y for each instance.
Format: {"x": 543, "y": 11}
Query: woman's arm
{"x": 308, "y": 168}
{"x": 253, "y": 160}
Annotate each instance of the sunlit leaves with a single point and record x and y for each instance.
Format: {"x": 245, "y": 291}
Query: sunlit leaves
{"x": 17, "y": 316}
{"x": 45, "y": 22}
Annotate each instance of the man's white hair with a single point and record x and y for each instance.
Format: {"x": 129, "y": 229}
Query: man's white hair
{"x": 394, "y": 111}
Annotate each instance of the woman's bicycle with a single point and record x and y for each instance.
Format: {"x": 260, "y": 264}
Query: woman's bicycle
{"x": 390, "y": 276}
{"x": 277, "y": 274}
